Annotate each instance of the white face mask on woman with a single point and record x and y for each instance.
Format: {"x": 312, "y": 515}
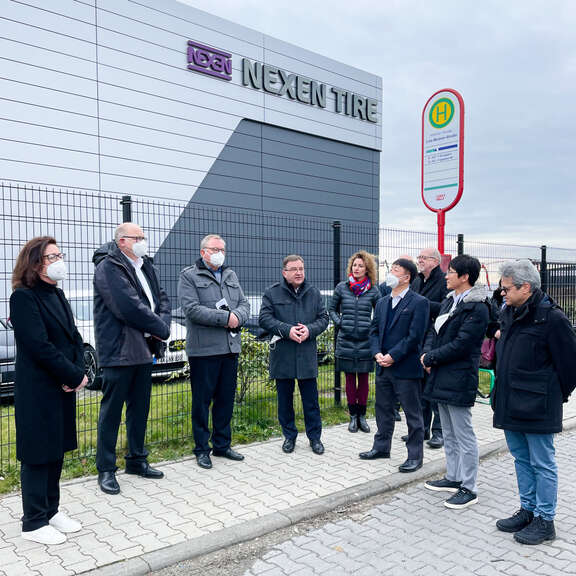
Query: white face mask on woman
{"x": 57, "y": 271}
{"x": 140, "y": 249}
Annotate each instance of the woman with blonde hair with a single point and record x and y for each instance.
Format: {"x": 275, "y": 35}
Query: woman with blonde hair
{"x": 351, "y": 311}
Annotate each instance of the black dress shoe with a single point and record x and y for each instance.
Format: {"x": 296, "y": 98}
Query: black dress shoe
{"x": 373, "y": 454}
{"x": 144, "y": 470}
{"x": 317, "y": 446}
{"x": 230, "y": 454}
{"x": 435, "y": 442}
{"x": 108, "y": 483}
{"x": 289, "y": 445}
{"x": 410, "y": 465}
{"x": 203, "y": 460}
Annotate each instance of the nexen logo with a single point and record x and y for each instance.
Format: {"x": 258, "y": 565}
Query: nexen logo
{"x": 209, "y": 61}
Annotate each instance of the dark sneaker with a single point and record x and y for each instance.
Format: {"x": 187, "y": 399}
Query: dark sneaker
{"x": 519, "y": 520}
{"x": 538, "y": 531}
{"x": 443, "y": 485}
{"x": 462, "y": 499}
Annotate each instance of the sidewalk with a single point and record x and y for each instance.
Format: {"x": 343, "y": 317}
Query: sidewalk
{"x": 152, "y": 524}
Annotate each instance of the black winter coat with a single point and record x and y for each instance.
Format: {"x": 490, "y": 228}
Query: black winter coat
{"x": 434, "y": 289}
{"x": 352, "y": 316}
{"x": 121, "y": 312}
{"x": 453, "y": 353}
{"x": 536, "y": 368}
{"x": 283, "y": 308}
{"x": 49, "y": 354}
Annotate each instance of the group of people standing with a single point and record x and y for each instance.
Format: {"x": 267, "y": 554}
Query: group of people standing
{"x": 422, "y": 331}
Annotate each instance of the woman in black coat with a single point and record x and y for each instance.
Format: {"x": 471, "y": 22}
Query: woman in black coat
{"x": 351, "y": 312}
{"x": 49, "y": 368}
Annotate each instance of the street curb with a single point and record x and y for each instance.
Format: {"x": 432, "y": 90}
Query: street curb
{"x": 252, "y": 529}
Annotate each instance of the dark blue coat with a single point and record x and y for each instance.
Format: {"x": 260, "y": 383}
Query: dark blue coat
{"x": 536, "y": 367}
{"x": 283, "y": 308}
{"x": 407, "y": 331}
{"x": 122, "y": 314}
{"x": 453, "y": 353}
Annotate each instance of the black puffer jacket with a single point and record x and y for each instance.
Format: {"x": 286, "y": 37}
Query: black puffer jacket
{"x": 352, "y": 316}
{"x": 121, "y": 312}
{"x": 536, "y": 369}
{"x": 453, "y": 353}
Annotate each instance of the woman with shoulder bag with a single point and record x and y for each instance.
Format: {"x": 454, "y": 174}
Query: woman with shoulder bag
{"x": 351, "y": 312}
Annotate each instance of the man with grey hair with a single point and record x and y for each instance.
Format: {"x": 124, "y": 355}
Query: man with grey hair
{"x": 431, "y": 283}
{"x": 215, "y": 308}
{"x": 131, "y": 318}
{"x": 535, "y": 375}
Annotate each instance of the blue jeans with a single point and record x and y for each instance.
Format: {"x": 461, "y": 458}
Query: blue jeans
{"x": 536, "y": 471}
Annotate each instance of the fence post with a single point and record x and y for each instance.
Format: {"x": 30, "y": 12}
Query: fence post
{"x": 336, "y": 241}
{"x": 460, "y": 244}
{"x": 543, "y": 269}
{"x": 126, "y": 203}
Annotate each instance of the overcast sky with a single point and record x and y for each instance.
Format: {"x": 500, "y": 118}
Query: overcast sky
{"x": 513, "y": 61}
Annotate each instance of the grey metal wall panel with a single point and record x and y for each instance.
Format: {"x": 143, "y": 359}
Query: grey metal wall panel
{"x": 120, "y": 115}
{"x": 44, "y": 136}
{"x": 154, "y": 188}
{"x": 49, "y": 19}
{"x": 49, "y": 40}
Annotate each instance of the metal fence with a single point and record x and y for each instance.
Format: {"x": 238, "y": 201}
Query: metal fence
{"x": 81, "y": 222}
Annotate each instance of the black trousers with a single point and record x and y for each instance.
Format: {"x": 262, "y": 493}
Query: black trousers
{"x": 123, "y": 384}
{"x": 431, "y": 417}
{"x": 40, "y": 493}
{"x": 310, "y": 406}
{"x": 388, "y": 388}
{"x": 213, "y": 381}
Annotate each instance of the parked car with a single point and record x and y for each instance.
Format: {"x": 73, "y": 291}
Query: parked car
{"x": 174, "y": 361}
{"x": 7, "y": 359}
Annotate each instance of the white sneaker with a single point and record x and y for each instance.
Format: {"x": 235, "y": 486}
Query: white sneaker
{"x": 45, "y": 535}
{"x": 64, "y": 524}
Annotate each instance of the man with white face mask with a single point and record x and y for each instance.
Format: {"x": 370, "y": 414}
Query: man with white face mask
{"x": 131, "y": 319}
{"x": 215, "y": 308}
{"x": 396, "y": 338}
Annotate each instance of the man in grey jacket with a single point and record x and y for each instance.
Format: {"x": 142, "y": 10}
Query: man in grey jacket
{"x": 215, "y": 308}
{"x": 293, "y": 313}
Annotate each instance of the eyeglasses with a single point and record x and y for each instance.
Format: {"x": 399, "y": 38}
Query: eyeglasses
{"x": 54, "y": 257}
{"x": 426, "y": 258}
{"x": 451, "y": 271}
{"x": 301, "y": 269}
{"x": 137, "y": 238}
{"x": 506, "y": 289}
{"x": 215, "y": 250}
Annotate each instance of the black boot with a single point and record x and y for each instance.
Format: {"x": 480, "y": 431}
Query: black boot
{"x": 353, "y": 426}
{"x": 362, "y": 424}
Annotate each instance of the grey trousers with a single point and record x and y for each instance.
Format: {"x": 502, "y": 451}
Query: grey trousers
{"x": 460, "y": 445}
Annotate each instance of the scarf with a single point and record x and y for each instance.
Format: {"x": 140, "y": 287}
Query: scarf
{"x": 359, "y": 288}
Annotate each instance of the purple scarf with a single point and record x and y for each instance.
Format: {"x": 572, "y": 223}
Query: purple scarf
{"x": 359, "y": 288}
